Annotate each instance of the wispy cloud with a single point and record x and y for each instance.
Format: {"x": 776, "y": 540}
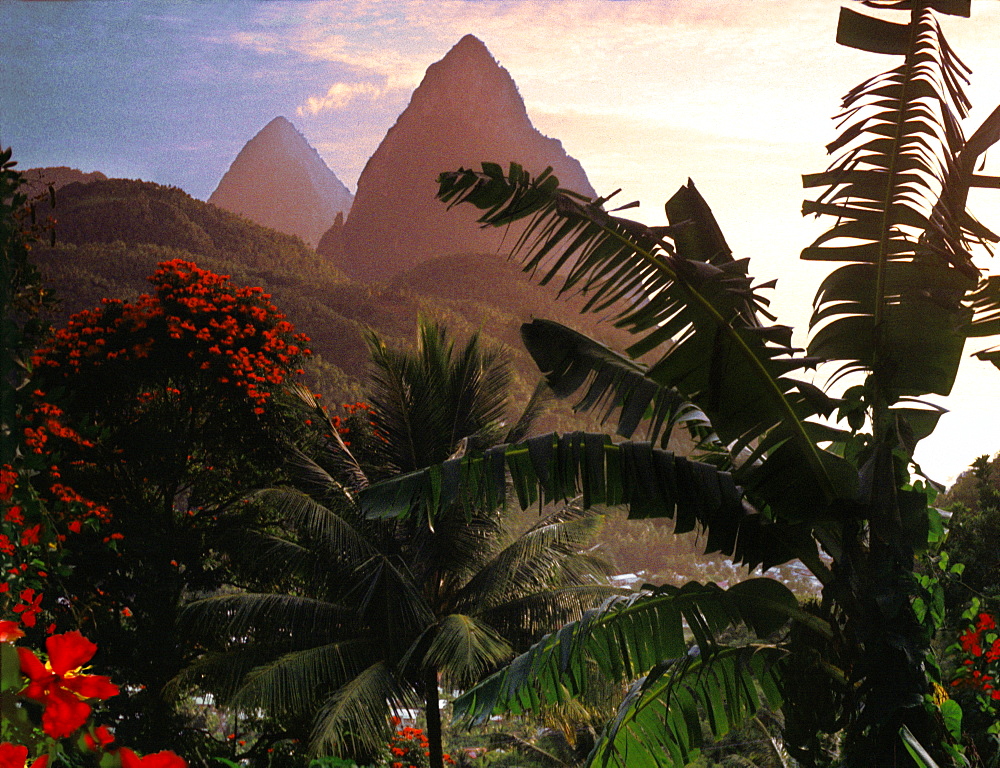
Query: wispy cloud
{"x": 340, "y": 96}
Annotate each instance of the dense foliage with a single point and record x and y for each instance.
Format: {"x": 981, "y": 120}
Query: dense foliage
{"x": 780, "y": 475}
{"x": 378, "y": 567}
{"x": 47, "y": 699}
{"x": 178, "y": 394}
{"x": 356, "y": 618}
{"x": 110, "y": 235}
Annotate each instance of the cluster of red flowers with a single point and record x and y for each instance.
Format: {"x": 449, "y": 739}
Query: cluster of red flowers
{"x": 342, "y": 423}
{"x": 46, "y": 419}
{"x": 980, "y": 645}
{"x": 57, "y": 682}
{"x": 195, "y": 321}
{"x": 409, "y": 749}
{"x": 34, "y": 512}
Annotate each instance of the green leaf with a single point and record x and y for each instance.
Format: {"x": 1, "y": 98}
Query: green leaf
{"x": 897, "y": 191}
{"x": 10, "y": 668}
{"x": 916, "y": 750}
{"x": 723, "y": 355}
{"x": 951, "y": 713}
{"x": 625, "y": 638}
{"x": 867, "y": 33}
{"x": 650, "y": 481}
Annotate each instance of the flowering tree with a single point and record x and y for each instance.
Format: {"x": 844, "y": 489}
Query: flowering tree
{"x": 45, "y": 699}
{"x": 173, "y": 410}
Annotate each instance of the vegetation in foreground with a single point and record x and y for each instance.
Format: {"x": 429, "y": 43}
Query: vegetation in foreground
{"x": 787, "y": 470}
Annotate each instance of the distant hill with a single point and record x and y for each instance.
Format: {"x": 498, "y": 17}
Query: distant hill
{"x": 467, "y": 109}
{"x": 111, "y": 234}
{"x": 39, "y": 179}
{"x": 278, "y": 180}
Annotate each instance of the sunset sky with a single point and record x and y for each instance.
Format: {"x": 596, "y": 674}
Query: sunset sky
{"x": 736, "y": 95}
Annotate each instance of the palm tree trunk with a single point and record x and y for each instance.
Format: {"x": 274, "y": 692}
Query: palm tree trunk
{"x": 432, "y": 712}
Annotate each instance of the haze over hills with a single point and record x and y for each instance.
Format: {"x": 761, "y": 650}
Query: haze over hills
{"x": 411, "y": 254}
{"x": 111, "y": 234}
{"x": 467, "y": 109}
{"x": 278, "y": 180}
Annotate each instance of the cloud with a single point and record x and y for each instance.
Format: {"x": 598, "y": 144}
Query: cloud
{"x": 340, "y": 96}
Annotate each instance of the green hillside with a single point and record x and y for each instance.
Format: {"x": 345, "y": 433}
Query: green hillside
{"x": 111, "y": 234}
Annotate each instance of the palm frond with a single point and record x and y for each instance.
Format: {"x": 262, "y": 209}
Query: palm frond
{"x": 426, "y": 402}
{"x": 533, "y": 560}
{"x": 723, "y": 355}
{"x": 223, "y": 671}
{"x": 531, "y": 412}
{"x": 652, "y": 482}
{"x": 271, "y": 554}
{"x": 356, "y": 716}
{"x": 659, "y": 721}
{"x": 571, "y": 361}
{"x": 524, "y": 616}
{"x": 333, "y": 527}
{"x": 462, "y": 648}
{"x": 898, "y": 191}
{"x": 626, "y": 638}
{"x": 298, "y": 681}
{"x": 293, "y": 619}
{"x": 320, "y": 484}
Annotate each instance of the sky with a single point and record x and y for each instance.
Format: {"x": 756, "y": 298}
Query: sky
{"x": 736, "y": 95}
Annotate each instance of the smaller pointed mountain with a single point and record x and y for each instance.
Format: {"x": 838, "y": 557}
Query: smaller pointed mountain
{"x": 466, "y": 110}
{"x": 278, "y": 180}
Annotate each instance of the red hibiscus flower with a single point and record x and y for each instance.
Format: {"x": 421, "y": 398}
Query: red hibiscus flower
{"x": 59, "y": 684}
{"x": 12, "y": 755}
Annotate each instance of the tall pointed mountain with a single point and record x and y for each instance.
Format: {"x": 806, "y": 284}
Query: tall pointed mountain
{"x": 279, "y": 181}
{"x": 466, "y": 110}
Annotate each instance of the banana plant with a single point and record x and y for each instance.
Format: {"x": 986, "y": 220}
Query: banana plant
{"x": 794, "y": 470}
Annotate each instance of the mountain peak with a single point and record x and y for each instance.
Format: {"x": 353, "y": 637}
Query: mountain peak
{"x": 280, "y": 181}
{"x": 280, "y": 124}
{"x": 467, "y": 109}
{"x": 470, "y": 45}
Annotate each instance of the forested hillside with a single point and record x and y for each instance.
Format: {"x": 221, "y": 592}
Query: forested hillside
{"x": 111, "y": 234}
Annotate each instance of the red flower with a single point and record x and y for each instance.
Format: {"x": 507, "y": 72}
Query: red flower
{"x": 994, "y": 652}
{"x": 15, "y": 756}
{"x": 98, "y": 738}
{"x": 970, "y": 643}
{"x": 10, "y": 631}
{"x": 30, "y": 607}
{"x": 985, "y": 621}
{"x": 165, "y": 759}
{"x": 59, "y": 685}
{"x": 12, "y": 755}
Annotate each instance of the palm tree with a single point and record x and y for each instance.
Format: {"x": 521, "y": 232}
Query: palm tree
{"x": 361, "y": 616}
{"x": 781, "y": 479}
